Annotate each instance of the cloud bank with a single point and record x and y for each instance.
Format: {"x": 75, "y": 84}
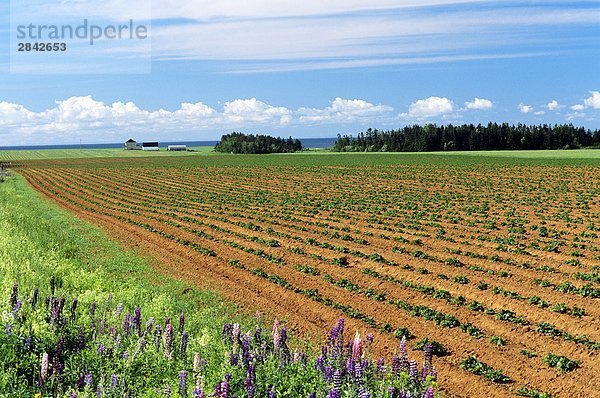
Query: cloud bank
{"x": 96, "y": 121}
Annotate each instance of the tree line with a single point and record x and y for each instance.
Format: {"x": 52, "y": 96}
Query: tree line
{"x": 469, "y": 137}
{"x": 255, "y": 144}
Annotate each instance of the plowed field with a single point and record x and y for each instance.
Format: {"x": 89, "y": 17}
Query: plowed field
{"x": 487, "y": 259}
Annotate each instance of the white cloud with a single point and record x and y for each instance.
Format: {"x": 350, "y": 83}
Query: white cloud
{"x": 578, "y": 107}
{"x": 343, "y": 110}
{"x": 539, "y": 113}
{"x": 593, "y": 101}
{"x": 575, "y": 115}
{"x": 97, "y": 121}
{"x": 430, "y": 107}
{"x": 525, "y": 108}
{"x": 479, "y": 103}
{"x": 553, "y": 105}
{"x": 255, "y": 111}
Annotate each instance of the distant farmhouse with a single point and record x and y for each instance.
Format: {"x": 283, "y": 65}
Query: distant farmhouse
{"x": 132, "y": 145}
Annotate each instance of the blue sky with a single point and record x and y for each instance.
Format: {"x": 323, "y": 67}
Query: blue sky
{"x": 308, "y": 69}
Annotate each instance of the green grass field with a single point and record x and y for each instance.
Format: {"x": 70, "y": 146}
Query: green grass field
{"x": 19, "y": 155}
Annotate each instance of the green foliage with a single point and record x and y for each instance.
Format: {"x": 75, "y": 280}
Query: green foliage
{"x": 492, "y": 136}
{"x": 528, "y": 353}
{"x": 561, "y": 362}
{"x": 479, "y": 368}
{"x": 437, "y": 348}
{"x": 529, "y": 392}
{"x": 499, "y": 341}
{"x": 256, "y": 144}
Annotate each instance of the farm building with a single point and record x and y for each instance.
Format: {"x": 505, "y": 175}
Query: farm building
{"x": 130, "y": 145}
{"x": 150, "y": 146}
{"x": 177, "y": 148}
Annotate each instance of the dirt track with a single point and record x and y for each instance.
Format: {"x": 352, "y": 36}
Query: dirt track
{"x": 234, "y": 213}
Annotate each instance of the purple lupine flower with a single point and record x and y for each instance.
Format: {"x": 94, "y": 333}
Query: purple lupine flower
{"x": 125, "y": 355}
{"x": 246, "y": 349}
{"x": 80, "y": 345}
{"x": 391, "y": 391}
{"x": 380, "y": 366}
{"x": 235, "y": 359}
{"x": 181, "y": 322}
{"x": 87, "y": 380}
{"x": 272, "y": 393}
{"x": 395, "y": 364}
{"x": 13, "y": 294}
{"x": 142, "y": 344}
{"x": 433, "y": 374}
{"x": 250, "y": 391}
{"x": 28, "y": 343}
{"x": 337, "y": 380}
{"x": 349, "y": 366}
{"x": 100, "y": 349}
{"x": 198, "y": 393}
{"x": 312, "y": 395}
{"x": 73, "y": 308}
{"x": 44, "y": 367}
{"x": 413, "y": 371}
{"x": 126, "y": 321}
{"x": 118, "y": 340}
{"x": 370, "y": 338}
{"x": 167, "y": 391}
{"x": 56, "y": 363}
{"x": 196, "y": 362}
{"x": 184, "y": 341}
{"x": 137, "y": 319}
{"x": 167, "y": 340}
{"x": 183, "y": 382}
{"x": 217, "y": 390}
{"x": 55, "y": 311}
{"x": 357, "y": 347}
{"x": 320, "y": 365}
{"x": 225, "y": 386}
{"x": 73, "y": 394}
{"x": 34, "y": 297}
{"x": 119, "y": 310}
{"x": 363, "y": 393}
{"x": 167, "y": 321}
{"x": 276, "y": 335}
{"x": 258, "y": 336}
{"x": 61, "y": 304}
{"x": 340, "y": 330}
{"x": 99, "y": 391}
{"x": 93, "y": 309}
{"x": 17, "y": 307}
{"x": 429, "y": 393}
{"x": 149, "y": 324}
{"x": 427, "y": 365}
{"x": 328, "y": 373}
{"x": 235, "y": 333}
{"x": 114, "y": 381}
{"x": 157, "y": 335}
{"x": 102, "y": 325}
{"x": 333, "y": 393}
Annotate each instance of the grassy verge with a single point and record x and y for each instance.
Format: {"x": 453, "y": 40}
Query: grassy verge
{"x": 83, "y": 317}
